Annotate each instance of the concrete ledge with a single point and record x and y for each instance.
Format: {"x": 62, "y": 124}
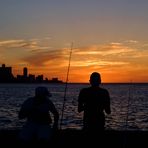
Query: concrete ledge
{"x": 75, "y": 138}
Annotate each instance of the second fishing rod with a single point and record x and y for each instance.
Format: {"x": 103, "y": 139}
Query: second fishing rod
{"x": 66, "y": 83}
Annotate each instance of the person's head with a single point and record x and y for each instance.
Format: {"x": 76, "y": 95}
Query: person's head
{"x": 42, "y": 92}
{"x": 95, "y": 79}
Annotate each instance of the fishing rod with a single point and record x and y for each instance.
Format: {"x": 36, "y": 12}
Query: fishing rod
{"x": 66, "y": 83}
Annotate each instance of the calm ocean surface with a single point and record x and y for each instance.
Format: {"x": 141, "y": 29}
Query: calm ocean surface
{"x": 129, "y": 105}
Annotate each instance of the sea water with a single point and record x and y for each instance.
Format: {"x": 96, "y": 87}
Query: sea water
{"x": 129, "y": 105}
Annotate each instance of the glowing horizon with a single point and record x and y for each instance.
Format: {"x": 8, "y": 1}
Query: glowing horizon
{"x": 116, "y": 62}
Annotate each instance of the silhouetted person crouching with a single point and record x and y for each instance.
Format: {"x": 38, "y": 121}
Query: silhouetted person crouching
{"x": 37, "y": 111}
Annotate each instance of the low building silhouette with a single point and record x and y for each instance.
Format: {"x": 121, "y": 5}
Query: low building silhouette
{"x": 55, "y": 80}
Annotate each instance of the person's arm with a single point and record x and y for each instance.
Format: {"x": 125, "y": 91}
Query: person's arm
{"x": 107, "y": 103}
{"x": 23, "y": 111}
{"x": 80, "y": 102}
{"x": 55, "y": 113}
{"x": 56, "y": 119}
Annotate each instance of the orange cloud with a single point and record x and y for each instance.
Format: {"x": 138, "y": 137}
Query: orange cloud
{"x": 40, "y": 58}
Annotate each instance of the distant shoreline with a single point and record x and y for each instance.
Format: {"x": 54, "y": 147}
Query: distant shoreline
{"x": 78, "y": 83}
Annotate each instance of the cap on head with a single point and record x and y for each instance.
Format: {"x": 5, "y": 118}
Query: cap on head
{"x": 95, "y": 79}
{"x": 42, "y": 91}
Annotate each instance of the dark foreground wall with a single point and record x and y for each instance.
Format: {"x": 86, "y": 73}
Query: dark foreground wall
{"x": 78, "y": 138}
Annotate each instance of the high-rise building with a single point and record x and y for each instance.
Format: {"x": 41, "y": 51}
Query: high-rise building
{"x": 25, "y": 72}
{"x": 6, "y": 74}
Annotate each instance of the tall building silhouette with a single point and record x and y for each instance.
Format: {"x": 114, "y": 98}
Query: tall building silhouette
{"x": 25, "y": 72}
{"x": 6, "y": 74}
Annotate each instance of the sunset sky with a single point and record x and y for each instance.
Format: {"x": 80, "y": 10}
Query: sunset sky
{"x": 108, "y": 36}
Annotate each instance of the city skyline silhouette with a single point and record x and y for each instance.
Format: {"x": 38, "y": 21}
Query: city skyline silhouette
{"x": 6, "y": 76}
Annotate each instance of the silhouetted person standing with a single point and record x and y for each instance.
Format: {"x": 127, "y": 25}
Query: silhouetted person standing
{"x": 37, "y": 111}
{"x": 95, "y": 102}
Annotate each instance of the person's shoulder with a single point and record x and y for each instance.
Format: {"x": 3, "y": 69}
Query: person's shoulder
{"x": 85, "y": 89}
{"x": 48, "y": 101}
{"x": 28, "y": 100}
{"x": 103, "y": 90}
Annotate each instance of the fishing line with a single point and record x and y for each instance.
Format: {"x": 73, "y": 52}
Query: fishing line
{"x": 66, "y": 83}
